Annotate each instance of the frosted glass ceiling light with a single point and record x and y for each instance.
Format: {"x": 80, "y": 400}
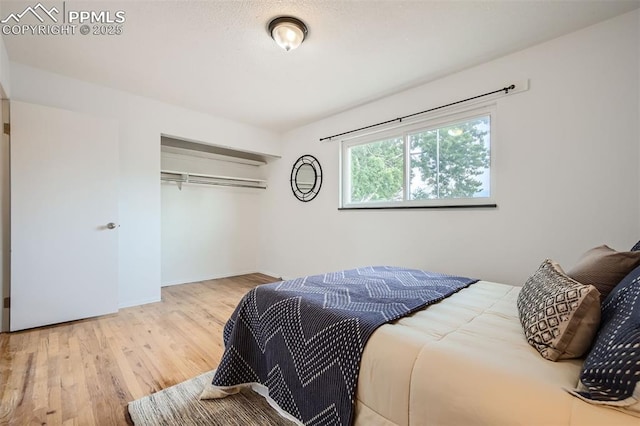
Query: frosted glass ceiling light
{"x": 288, "y": 32}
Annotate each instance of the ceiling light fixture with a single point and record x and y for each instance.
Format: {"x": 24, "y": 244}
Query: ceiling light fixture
{"x": 288, "y": 32}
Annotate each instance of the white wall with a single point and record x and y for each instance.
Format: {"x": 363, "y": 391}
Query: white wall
{"x": 208, "y": 231}
{"x": 566, "y": 166}
{"x": 5, "y": 80}
{"x": 141, "y": 122}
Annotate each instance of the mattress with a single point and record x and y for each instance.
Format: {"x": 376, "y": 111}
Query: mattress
{"x": 465, "y": 361}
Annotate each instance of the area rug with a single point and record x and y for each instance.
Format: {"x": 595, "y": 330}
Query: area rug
{"x": 180, "y": 405}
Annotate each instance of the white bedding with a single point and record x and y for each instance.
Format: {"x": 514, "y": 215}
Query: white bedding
{"x": 465, "y": 361}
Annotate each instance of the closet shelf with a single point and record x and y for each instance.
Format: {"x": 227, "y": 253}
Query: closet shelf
{"x": 175, "y": 145}
{"x": 203, "y": 179}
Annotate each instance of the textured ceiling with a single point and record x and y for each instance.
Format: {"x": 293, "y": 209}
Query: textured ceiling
{"x": 216, "y": 56}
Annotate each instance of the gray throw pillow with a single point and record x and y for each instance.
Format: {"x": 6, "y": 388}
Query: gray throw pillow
{"x": 603, "y": 268}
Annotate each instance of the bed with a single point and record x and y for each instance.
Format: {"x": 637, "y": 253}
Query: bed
{"x": 461, "y": 360}
{"x": 465, "y": 361}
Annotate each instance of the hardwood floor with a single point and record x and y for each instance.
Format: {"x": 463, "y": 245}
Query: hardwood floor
{"x": 85, "y": 372}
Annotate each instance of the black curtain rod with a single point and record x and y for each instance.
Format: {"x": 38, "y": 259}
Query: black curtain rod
{"x": 399, "y": 119}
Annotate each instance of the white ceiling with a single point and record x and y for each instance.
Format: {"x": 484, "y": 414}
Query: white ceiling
{"x": 216, "y": 56}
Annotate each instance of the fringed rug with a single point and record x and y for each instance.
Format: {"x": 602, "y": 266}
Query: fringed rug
{"x": 180, "y": 405}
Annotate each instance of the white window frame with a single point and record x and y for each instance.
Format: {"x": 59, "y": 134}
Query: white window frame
{"x": 403, "y": 130}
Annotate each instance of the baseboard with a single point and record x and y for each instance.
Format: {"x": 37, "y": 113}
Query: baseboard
{"x": 271, "y": 274}
{"x": 215, "y": 277}
{"x": 138, "y": 302}
{"x": 206, "y": 278}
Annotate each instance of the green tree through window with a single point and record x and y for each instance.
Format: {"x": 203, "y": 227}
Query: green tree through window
{"x": 447, "y": 162}
{"x": 376, "y": 171}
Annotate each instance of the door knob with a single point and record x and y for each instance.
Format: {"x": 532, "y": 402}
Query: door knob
{"x": 111, "y": 225}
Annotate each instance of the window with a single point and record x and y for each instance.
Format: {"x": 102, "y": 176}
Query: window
{"x": 442, "y": 162}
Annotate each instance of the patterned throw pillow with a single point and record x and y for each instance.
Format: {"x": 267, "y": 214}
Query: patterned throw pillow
{"x": 636, "y": 247}
{"x": 604, "y": 268}
{"x": 559, "y": 316}
{"x": 611, "y": 373}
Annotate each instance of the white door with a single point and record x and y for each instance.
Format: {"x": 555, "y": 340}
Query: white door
{"x": 64, "y": 175}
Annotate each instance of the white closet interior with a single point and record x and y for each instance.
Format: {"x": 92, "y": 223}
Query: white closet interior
{"x": 210, "y": 202}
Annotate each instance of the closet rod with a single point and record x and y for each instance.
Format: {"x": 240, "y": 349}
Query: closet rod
{"x": 189, "y": 175}
{"x": 196, "y": 182}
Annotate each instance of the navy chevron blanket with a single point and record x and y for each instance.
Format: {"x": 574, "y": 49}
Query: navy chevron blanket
{"x": 303, "y": 338}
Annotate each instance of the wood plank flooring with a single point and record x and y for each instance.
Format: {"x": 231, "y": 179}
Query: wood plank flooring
{"x": 85, "y": 372}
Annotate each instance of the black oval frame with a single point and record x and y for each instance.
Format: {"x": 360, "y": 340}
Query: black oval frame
{"x": 317, "y": 184}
